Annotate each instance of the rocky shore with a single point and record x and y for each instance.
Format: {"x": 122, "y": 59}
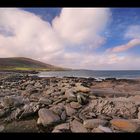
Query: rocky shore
{"x": 69, "y": 104}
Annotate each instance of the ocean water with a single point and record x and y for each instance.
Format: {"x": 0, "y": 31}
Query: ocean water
{"x": 126, "y": 74}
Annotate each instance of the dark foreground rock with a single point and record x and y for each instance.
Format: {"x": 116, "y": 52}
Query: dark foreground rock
{"x": 69, "y": 104}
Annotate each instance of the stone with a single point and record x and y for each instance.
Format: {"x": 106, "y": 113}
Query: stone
{"x": 29, "y": 110}
{"x": 124, "y": 125}
{"x": 81, "y": 99}
{"x": 38, "y": 85}
{"x": 63, "y": 115}
{"x": 11, "y": 101}
{"x": 4, "y": 112}
{"x": 70, "y": 111}
{"x": 56, "y": 131}
{"x": 139, "y": 113}
{"x": 104, "y": 129}
{"x": 96, "y": 130}
{"x": 39, "y": 121}
{"x": 77, "y": 127}
{"x": 63, "y": 126}
{"x": 93, "y": 123}
{"x": 83, "y": 89}
{"x": 48, "y": 117}
{"x": 57, "y": 109}
{"x": 70, "y": 95}
{"x": 23, "y": 126}
{"x": 75, "y": 105}
{"x": 45, "y": 101}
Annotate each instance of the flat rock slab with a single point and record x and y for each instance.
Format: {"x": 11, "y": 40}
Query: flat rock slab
{"x": 48, "y": 117}
{"x": 77, "y": 127}
{"x": 124, "y": 125}
{"x": 93, "y": 123}
{"x": 63, "y": 126}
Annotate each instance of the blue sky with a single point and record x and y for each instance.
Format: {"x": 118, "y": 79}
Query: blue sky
{"x": 121, "y": 19}
{"x": 95, "y": 38}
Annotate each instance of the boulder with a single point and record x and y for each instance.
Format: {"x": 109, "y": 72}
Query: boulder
{"x": 93, "y": 123}
{"x": 124, "y": 125}
{"x": 48, "y": 117}
{"x": 77, "y": 127}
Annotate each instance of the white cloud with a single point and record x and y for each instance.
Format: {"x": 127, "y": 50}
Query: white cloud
{"x": 25, "y": 34}
{"x": 32, "y": 37}
{"x": 133, "y": 33}
{"x": 132, "y": 43}
{"x": 82, "y": 25}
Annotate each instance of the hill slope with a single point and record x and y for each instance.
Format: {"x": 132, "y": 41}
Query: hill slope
{"x": 21, "y": 63}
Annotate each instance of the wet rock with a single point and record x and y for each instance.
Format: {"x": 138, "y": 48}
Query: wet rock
{"x": 77, "y": 127}
{"x": 124, "y": 125}
{"x": 48, "y": 117}
{"x": 45, "y": 101}
{"x": 75, "y": 105}
{"x": 93, "y": 123}
{"x": 70, "y": 111}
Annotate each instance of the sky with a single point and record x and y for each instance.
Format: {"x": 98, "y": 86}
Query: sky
{"x": 78, "y": 38}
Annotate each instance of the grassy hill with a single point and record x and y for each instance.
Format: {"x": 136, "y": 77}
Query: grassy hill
{"x": 25, "y": 64}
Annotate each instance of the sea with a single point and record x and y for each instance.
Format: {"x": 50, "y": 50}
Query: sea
{"x": 98, "y": 74}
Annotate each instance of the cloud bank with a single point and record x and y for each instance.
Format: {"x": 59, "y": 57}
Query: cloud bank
{"x": 70, "y": 40}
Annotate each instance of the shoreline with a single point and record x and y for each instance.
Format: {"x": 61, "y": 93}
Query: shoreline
{"x": 68, "y": 104}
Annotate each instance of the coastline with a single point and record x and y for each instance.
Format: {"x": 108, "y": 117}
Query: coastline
{"x": 68, "y": 104}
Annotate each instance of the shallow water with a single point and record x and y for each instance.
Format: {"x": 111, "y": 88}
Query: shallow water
{"x": 127, "y": 74}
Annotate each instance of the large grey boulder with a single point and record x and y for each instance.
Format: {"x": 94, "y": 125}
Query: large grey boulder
{"x": 48, "y": 117}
